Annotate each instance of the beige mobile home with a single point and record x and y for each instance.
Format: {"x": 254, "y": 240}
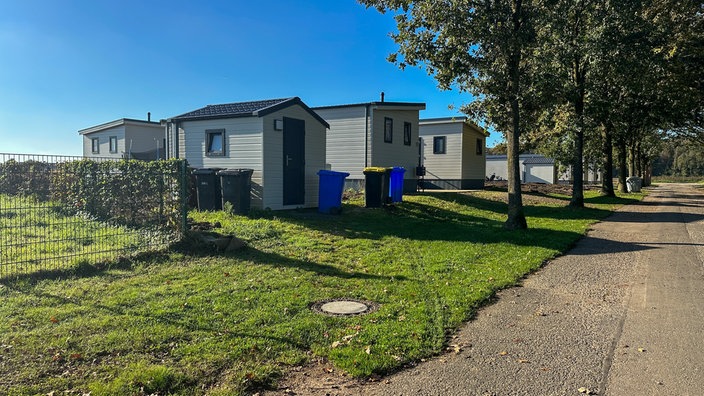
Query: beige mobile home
{"x": 453, "y": 152}
{"x": 125, "y": 138}
{"x": 381, "y": 134}
{"x": 282, "y": 140}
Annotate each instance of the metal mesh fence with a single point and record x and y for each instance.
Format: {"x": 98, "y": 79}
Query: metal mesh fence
{"x": 59, "y": 211}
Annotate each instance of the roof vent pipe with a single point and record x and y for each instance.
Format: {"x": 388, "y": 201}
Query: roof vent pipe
{"x": 149, "y": 116}
{"x": 382, "y": 97}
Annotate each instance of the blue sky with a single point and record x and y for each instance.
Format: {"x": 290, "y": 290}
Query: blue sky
{"x": 67, "y": 65}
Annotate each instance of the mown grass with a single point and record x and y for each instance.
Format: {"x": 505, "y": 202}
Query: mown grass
{"x": 678, "y": 179}
{"x": 204, "y": 322}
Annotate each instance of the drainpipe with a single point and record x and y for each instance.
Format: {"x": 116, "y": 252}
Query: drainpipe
{"x": 367, "y": 120}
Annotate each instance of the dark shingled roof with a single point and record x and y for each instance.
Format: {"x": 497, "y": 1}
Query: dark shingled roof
{"x": 255, "y": 108}
{"x": 539, "y": 161}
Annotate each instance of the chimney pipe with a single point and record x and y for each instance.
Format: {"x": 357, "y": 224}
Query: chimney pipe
{"x": 382, "y": 97}
{"x": 149, "y": 116}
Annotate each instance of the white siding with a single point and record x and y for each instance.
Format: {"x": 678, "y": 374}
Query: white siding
{"x": 448, "y": 165}
{"x": 473, "y": 164}
{"x": 395, "y": 153}
{"x": 539, "y": 173}
{"x": 243, "y": 148}
{"x": 143, "y": 138}
{"x": 315, "y": 147}
{"x": 345, "y": 144}
{"x": 104, "y": 139}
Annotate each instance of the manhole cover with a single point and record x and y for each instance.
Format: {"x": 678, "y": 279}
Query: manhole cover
{"x": 344, "y": 307}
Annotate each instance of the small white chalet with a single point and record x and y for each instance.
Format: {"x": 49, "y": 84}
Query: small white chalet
{"x": 453, "y": 152}
{"x": 125, "y": 138}
{"x": 281, "y": 140}
{"x": 379, "y": 134}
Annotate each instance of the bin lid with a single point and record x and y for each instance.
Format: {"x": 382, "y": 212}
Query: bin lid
{"x": 376, "y": 169}
{"x": 398, "y": 169}
{"x": 234, "y": 172}
{"x": 332, "y": 173}
{"x": 205, "y": 171}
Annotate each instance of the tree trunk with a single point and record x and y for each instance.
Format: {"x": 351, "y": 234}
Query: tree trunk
{"x": 622, "y": 166}
{"x": 580, "y": 77}
{"x": 516, "y": 218}
{"x": 607, "y": 180}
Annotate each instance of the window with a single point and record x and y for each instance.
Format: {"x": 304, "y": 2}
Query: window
{"x": 407, "y": 133}
{"x": 95, "y": 145}
{"x": 480, "y": 146}
{"x": 215, "y": 142}
{"x": 113, "y": 144}
{"x": 439, "y": 144}
{"x": 388, "y": 130}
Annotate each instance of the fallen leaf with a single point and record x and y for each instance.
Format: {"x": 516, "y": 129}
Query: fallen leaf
{"x": 226, "y": 274}
{"x": 456, "y": 348}
{"x": 328, "y": 369}
{"x": 54, "y": 320}
{"x": 503, "y": 353}
{"x": 368, "y": 350}
{"x": 75, "y": 356}
{"x": 335, "y": 344}
{"x": 641, "y": 349}
{"x": 523, "y": 361}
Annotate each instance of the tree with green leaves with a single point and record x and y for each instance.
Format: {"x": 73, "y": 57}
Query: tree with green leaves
{"x": 485, "y": 48}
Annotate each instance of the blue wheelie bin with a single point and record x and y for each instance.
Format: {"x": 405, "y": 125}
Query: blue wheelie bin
{"x": 396, "y": 184}
{"x": 330, "y": 188}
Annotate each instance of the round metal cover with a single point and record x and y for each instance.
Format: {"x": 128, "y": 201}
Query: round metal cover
{"x": 344, "y": 307}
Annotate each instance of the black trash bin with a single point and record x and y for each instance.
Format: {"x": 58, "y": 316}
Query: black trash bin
{"x": 207, "y": 189}
{"x": 376, "y": 186}
{"x": 236, "y": 187}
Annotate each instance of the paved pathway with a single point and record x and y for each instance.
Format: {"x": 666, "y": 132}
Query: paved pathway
{"x": 621, "y": 314}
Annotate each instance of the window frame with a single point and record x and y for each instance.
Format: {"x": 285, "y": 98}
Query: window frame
{"x": 480, "y": 146}
{"x": 209, "y": 134}
{"x": 388, "y": 130}
{"x": 113, "y": 148}
{"x": 95, "y": 145}
{"x": 436, "y": 140}
{"x": 407, "y": 133}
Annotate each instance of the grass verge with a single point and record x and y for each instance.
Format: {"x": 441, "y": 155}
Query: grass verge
{"x": 225, "y": 324}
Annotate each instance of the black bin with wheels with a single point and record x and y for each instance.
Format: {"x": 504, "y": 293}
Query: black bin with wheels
{"x": 376, "y": 186}
{"x": 207, "y": 189}
{"x": 236, "y": 185}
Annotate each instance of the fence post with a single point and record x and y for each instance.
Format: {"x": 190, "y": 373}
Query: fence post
{"x": 184, "y": 197}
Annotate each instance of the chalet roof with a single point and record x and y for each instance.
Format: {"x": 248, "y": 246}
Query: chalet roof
{"x": 409, "y": 105}
{"x": 256, "y": 108}
{"x": 118, "y": 122}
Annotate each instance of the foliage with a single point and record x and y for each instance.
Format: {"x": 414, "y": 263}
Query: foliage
{"x": 130, "y": 192}
{"x": 230, "y": 323}
{"x": 485, "y": 48}
{"x": 28, "y": 178}
{"x": 679, "y": 157}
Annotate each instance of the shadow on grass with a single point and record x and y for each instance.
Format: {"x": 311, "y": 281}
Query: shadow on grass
{"x": 260, "y": 257}
{"x": 421, "y": 222}
{"x": 85, "y": 269}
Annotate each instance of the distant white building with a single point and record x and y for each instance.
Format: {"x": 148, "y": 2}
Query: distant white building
{"x": 125, "y": 138}
{"x": 453, "y": 152}
{"x": 534, "y": 168}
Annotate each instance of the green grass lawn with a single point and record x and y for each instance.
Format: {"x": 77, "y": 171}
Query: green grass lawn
{"x": 678, "y": 179}
{"x": 204, "y": 322}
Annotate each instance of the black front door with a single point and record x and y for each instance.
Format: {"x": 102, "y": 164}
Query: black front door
{"x": 294, "y": 161}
